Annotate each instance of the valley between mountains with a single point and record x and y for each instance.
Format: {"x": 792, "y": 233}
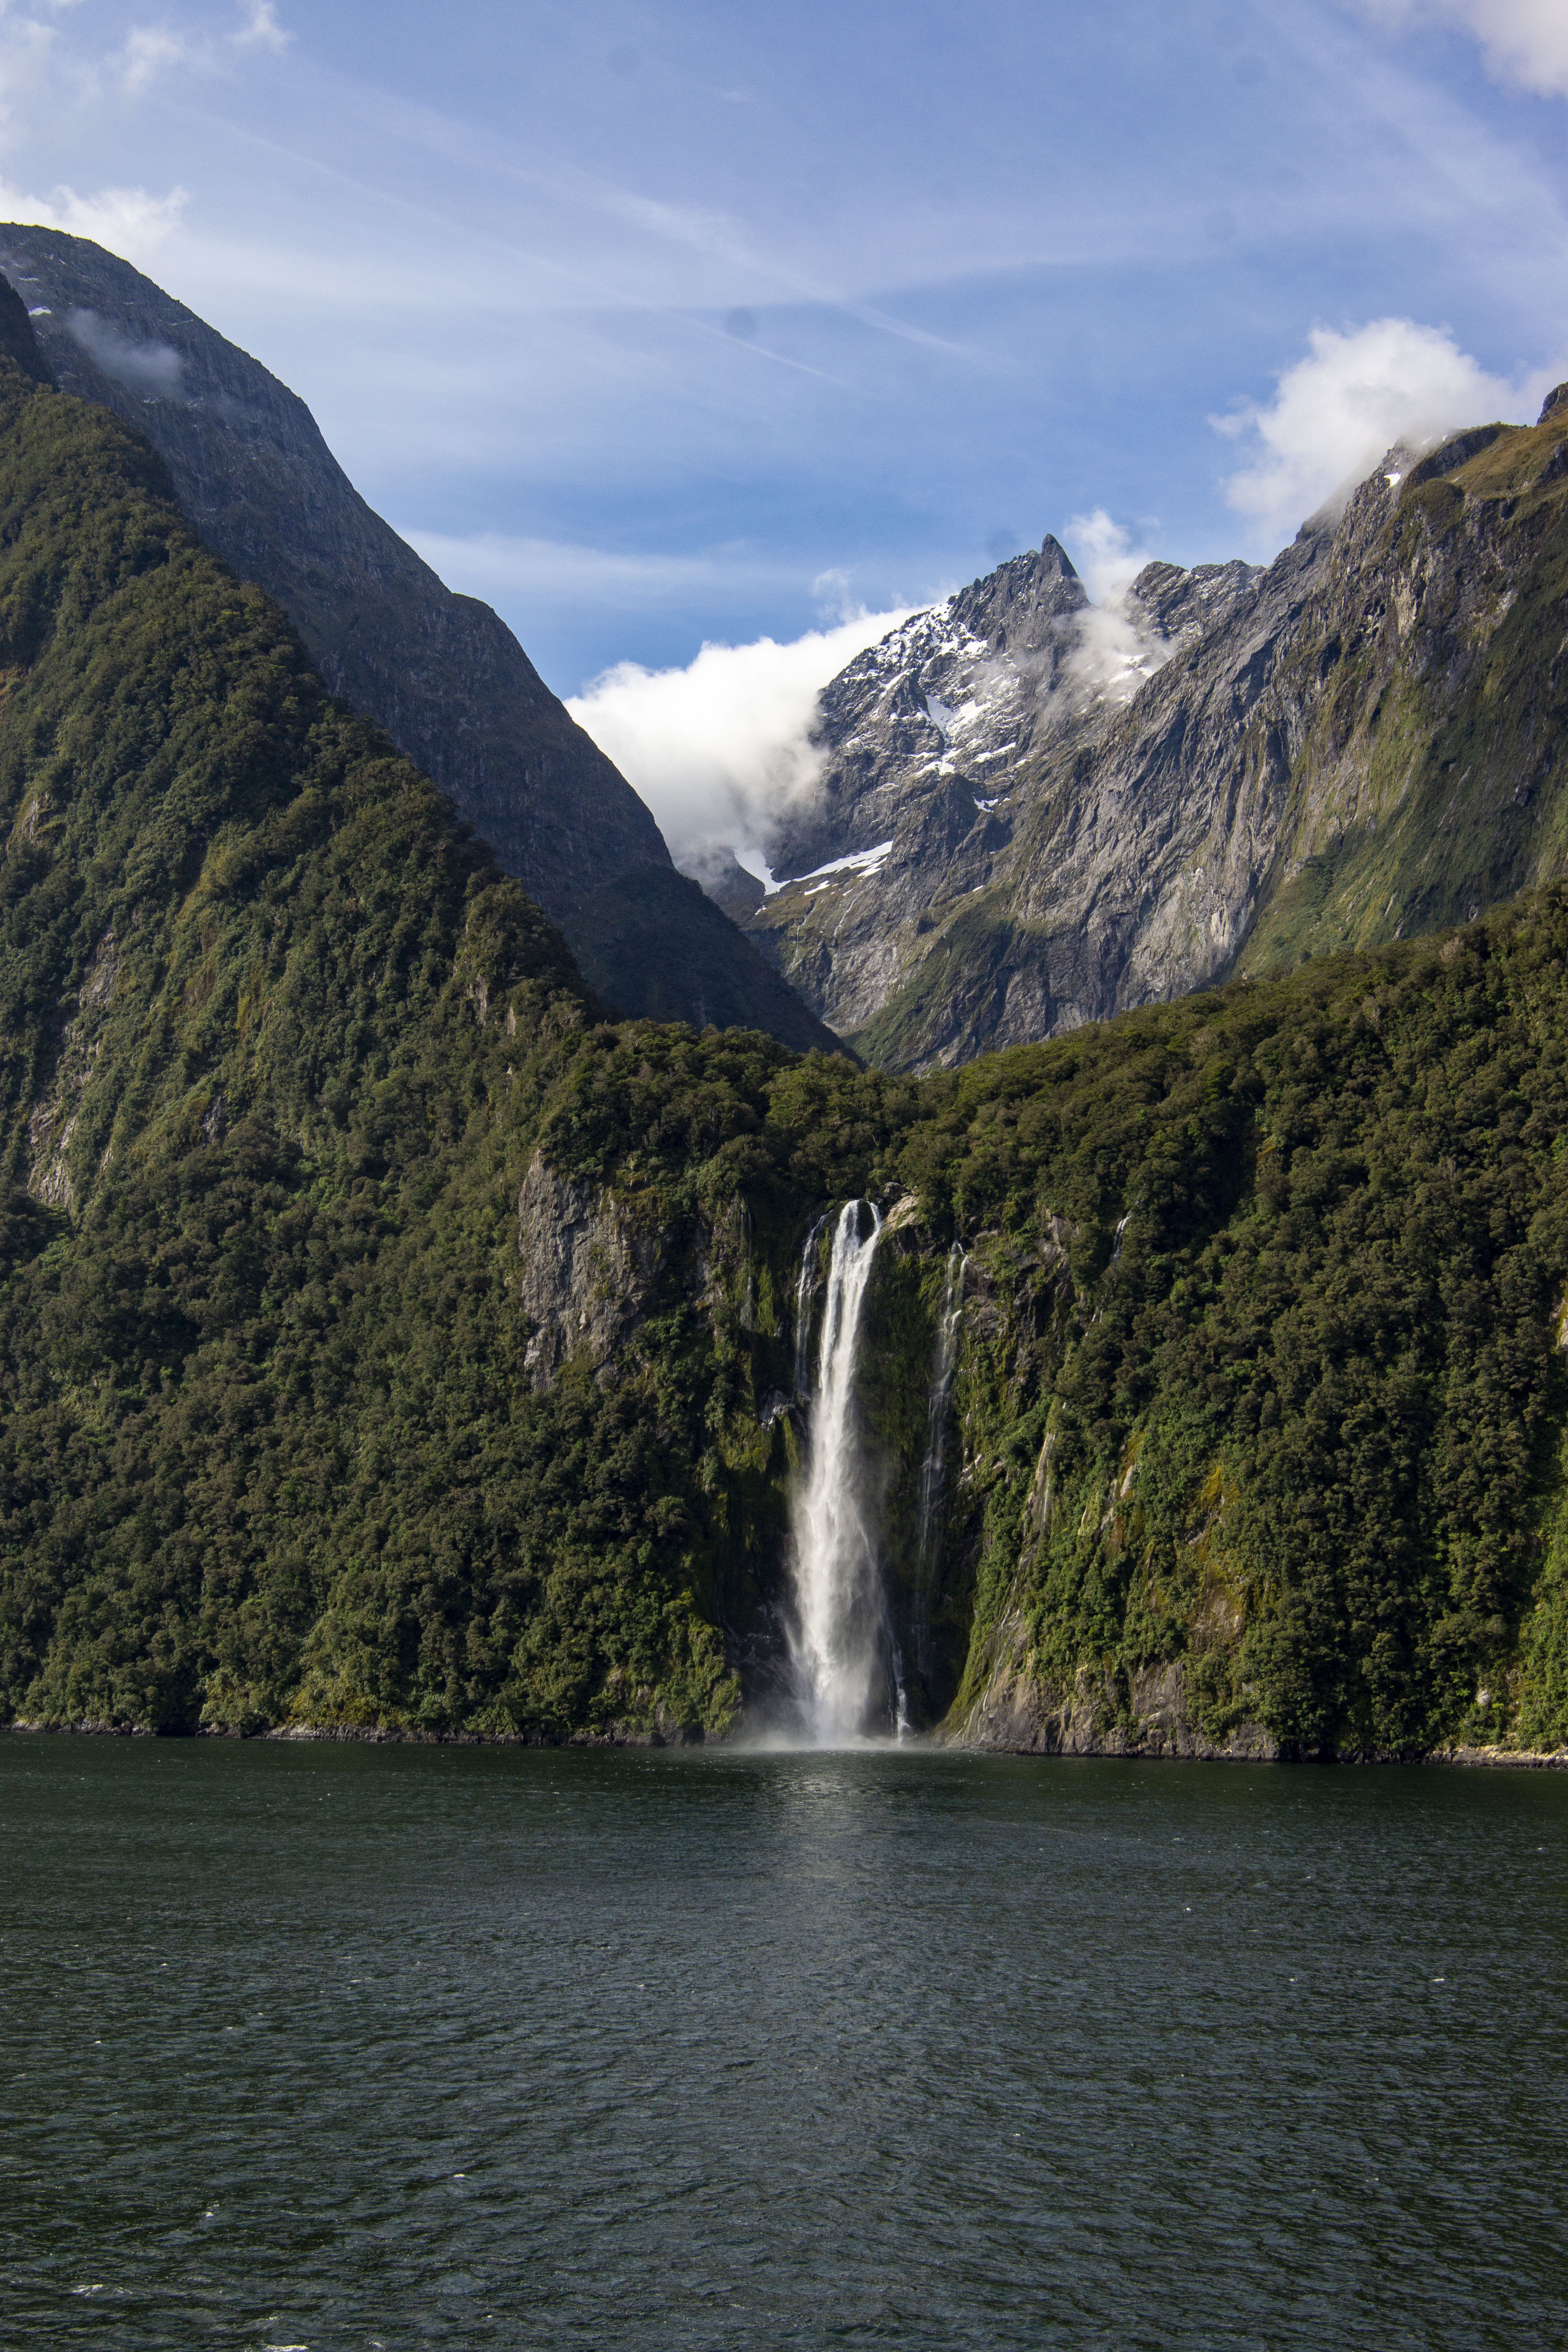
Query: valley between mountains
{"x": 400, "y": 1323}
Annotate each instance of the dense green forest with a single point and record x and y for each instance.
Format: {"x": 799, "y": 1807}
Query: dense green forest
{"x": 1260, "y": 1375}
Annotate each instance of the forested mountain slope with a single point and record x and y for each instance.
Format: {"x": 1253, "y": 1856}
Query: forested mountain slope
{"x": 443, "y": 674}
{"x": 389, "y": 1341}
{"x": 1057, "y": 814}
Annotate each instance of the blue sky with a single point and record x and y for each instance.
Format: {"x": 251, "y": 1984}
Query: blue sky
{"x": 659, "y": 324}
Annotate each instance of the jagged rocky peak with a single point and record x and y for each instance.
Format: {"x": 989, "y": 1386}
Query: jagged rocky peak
{"x": 955, "y": 690}
{"x": 1357, "y": 742}
{"x": 1179, "y": 607}
{"x": 1018, "y": 606}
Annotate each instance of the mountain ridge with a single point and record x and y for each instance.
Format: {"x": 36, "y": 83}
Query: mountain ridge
{"x": 1177, "y": 794}
{"x": 441, "y": 672}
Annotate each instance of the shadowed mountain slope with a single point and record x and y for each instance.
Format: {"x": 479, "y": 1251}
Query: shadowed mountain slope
{"x": 442, "y": 673}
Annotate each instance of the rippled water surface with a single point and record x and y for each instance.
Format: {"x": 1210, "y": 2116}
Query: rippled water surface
{"x": 358, "y": 2047}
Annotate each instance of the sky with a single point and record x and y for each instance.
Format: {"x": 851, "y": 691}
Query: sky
{"x": 667, "y": 326}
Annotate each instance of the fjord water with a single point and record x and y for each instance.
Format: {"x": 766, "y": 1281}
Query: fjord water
{"x": 381, "y": 2047}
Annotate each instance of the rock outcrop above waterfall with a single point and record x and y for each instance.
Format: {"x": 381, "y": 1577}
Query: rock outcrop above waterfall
{"x": 442, "y": 673}
{"x": 588, "y": 1275}
{"x": 1033, "y": 815}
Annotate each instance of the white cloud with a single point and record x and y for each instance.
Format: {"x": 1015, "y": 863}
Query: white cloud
{"x": 1106, "y": 561}
{"x": 1337, "y": 411}
{"x": 26, "y": 48}
{"x": 720, "y": 749}
{"x": 150, "y": 50}
{"x": 1113, "y": 655}
{"x": 129, "y": 221}
{"x": 82, "y": 72}
{"x": 1523, "y": 41}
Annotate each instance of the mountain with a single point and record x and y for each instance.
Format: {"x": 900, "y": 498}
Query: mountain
{"x": 441, "y": 673}
{"x": 391, "y": 1345}
{"x": 1034, "y": 814}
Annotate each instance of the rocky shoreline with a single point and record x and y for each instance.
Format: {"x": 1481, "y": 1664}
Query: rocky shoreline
{"x": 1058, "y": 1737}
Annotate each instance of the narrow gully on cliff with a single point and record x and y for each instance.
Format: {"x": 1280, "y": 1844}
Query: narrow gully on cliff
{"x": 838, "y": 1640}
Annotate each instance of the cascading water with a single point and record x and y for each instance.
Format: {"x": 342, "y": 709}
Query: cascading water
{"x": 840, "y": 1613}
{"x": 804, "y": 1292}
{"x": 931, "y": 1468}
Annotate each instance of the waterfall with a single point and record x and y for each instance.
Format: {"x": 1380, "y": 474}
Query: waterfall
{"x": 841, "y": 1631}
{"x": 931, "y": 1468}
{"x": 804, "y": 1292}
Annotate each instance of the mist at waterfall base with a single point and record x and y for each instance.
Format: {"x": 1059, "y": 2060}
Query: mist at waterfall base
{"x": 499, "y": 2049}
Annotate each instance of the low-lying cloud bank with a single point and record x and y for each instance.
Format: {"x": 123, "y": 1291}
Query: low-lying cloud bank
{"x": 720, "y": 749}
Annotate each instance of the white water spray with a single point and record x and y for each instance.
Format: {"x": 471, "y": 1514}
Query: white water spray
{"x": 931, "y": 1468}
{"x": 838, "y": 1593}
{"x": 804, "y": 1292}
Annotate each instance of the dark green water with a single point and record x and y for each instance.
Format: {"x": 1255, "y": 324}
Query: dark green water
{"x": 347, "y": 2047}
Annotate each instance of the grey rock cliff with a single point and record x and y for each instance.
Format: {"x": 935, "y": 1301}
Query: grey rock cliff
{"x": 586, "y": 1276}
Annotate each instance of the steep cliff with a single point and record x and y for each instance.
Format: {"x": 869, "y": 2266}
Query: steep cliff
{"x": 1245, "y": 767}
{"x": 441, "y": 673}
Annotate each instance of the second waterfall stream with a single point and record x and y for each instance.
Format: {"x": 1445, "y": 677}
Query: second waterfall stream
{"x": 839, "y": 1634}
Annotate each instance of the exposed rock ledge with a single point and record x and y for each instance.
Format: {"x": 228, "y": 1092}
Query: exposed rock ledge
{"x": 1022, "y": 1714}
{"x": 588, "y": 1274}
{"x": 1528, "y": 1759}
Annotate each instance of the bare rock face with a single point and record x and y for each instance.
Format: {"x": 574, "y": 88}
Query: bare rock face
{"x": 923, "y": 734}
{"x": 52, "y": 1121}
{"x": 587, "y": 1277}
{"x": 953, "y": 692}
{"x": 1019, "y": 1712}
{"x": 18, "y": 340}
{"x": 1107, "y": 849}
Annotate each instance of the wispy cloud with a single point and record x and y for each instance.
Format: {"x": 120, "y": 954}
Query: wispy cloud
{"x": 261, "y": 30}
{"x": 61, "y": 69}
{"x": 1107, "y": 558}
{"x": 149, "y": 52}
{"x": 511, "y": 566}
